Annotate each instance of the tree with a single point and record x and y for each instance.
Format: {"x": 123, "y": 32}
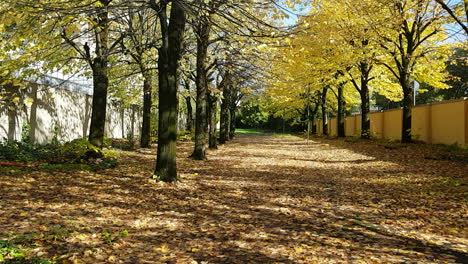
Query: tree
{"x": 454, "y": 9}
{"x": 341, "y": 110}
{"x": 98, "y": 62}
{"x": 225, "y": 117}
{"x": 188, "y": 101}
{"x": 413, "y": 50}
{"x": 83, "y": 27}
{"x": 172, "y": 31}
{"x": 202, "y": 30}
{"x": 212, "y": 109}
{"x": 140, "y": 30}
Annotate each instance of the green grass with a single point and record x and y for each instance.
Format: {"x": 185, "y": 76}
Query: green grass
{"x": 283, "y": 135}
{"x": 12, "y": 170}
{"x": 454, "y": 149}
{"x": 249, "y": 131}
{"x": 15, "y": 251}
{"x": 254, "y": 131}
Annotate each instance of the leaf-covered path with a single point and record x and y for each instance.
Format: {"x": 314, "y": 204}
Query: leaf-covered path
{"x": 258, "y": 199}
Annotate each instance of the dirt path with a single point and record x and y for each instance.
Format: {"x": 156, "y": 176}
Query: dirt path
{"x": 258, "y": 199}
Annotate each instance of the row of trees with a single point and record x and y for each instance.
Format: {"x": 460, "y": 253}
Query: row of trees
{"x": 131, "y": 47}
{"x": 342, "y": 51}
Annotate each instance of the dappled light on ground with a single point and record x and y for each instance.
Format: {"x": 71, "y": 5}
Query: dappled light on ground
{"x": 258, "y": 199}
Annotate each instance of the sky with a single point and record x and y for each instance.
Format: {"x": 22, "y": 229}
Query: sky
{"x": 292, "y": 19}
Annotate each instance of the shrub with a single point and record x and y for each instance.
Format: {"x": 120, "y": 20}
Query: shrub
{"x": 107, "y": 142}
{"x": 77, "y": 150}
{"x": 24, "y": 151}
{"x": 123, "y": 143}
{"x": 185, "y": 135}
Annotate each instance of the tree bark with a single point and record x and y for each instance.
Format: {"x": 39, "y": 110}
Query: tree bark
{"x": 225, "y": 123}
{"x": 365, "y": 104}
{"x": 232, "y": 122}
{"x": 341, "y": 112}
{"x": 407, "y": 105}
{"x": 225, "y": 117}
{"x": 314, "y": 126}
{"x": 188, "y": 102}
{"x": 201, "y": 125}
{"x": 172, "y": 32}
{"x": 365, "y": 109}
{"x": 145, "y": 140}
{"x": 100, "y": 79}
{"x": 324, "y": 111}
{"x": 99, "y": 103}
{"x": 213, "y": 106}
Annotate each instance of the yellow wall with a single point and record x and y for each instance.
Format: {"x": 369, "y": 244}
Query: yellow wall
{"x": 421, "y": 123}
{"x": 440, "y": 123}
{"x": 350, "y": 126}
{"x": 376, "y": 124}
{"x": 333, "y": 127}
{"x": 448, "y": 123}
{"x": 357, "y": 125}
{"x": 319, "y": 127}
{"x": 392, "y": 124}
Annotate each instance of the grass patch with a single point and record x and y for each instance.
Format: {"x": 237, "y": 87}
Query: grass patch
{"x": 454, "y": 149}
{"x": 284, "y": 135}
{"x": 254, "y": 131}
{"x": 46, "y": 167}
{"x": 451, "y": 152}
{"x": 249, "y": 131}
{"x": 15, "y": 251}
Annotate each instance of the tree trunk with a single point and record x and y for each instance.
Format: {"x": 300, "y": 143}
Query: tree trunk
{"x": 168, "y": 62}
{"x": 365, "y": 104}
{"x": 314, "y": 126}
{"x": 188, "y": 102}
{"x": 341, "y": 110}
{"x": 232, "y": 125}
{"x": 407, "y": 104}
{"x": 12, "y": 109}
{"x": 99, "y": 104}
{"x": 324, "y": 111}
{"x": 145, "y": 140}
{"x": 100, "y": 79}
{"x": 225, "y": 120}
{"x": 201, "y": 125}
{"x": 365, "y": 109}
{"x": 313, "y": 119}
{"x": 213, "y": 142}
{"x": 189, "y": 121}
{"x": 225, "y": 123}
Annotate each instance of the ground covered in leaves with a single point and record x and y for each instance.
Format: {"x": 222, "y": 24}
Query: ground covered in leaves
{"x": 258, "y": 199}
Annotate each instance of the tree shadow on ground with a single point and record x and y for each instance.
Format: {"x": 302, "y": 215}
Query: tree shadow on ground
{"x": 256, "y": 200}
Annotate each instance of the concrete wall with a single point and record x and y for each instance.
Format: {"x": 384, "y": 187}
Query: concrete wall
{"x": 449, "y": 123}
{"x": 440, "y": 123}
{"x": 67, "y": 111}
{"x": 377, "y": 124}
{"x": 350, "y": 126}
{"x": 333, "y": 127}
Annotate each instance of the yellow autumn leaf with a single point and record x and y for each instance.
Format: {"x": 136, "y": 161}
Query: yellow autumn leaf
{"x": 298, "y": 250}
{"x": 163, "y": 249}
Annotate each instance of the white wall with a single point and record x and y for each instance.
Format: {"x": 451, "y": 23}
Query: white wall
{"x": 68, "y": 111}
